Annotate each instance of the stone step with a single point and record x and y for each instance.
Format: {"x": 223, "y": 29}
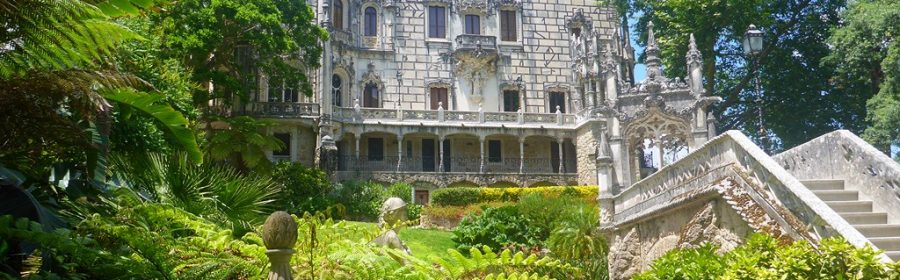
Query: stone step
{"x": 888, "y": 230}
{"x": 894, "y": 255}
{"x": 886, "y": 243}
{"x": 837, "y": 195}
{"x": 864, "y": 218}
{"x": 850, "y": 206}
{"x": 823, "y": 185}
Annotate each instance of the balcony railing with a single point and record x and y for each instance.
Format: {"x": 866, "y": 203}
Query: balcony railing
{"x": 452, "y": 165}
{"x": 282, "y": 109}
{"x": 359, "y": 115}
{"x": 471, "y": 41}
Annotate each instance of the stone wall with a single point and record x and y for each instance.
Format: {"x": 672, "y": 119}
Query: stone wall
{"x": 586, "y": 143}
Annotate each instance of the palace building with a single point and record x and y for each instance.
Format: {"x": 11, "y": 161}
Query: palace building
{"x": 484, "y": 92}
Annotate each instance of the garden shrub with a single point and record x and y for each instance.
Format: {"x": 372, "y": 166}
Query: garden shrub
{"x": 303, "y": 189}
{"x": 466, "y": 196}
{"x": 545, "y": 211}
{"x": 762, "y": 257}
{"x": 361, "y": 199}
{"x": 496, "y": 228}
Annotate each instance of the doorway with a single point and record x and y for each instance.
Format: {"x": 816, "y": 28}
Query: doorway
{"x": 428, "y": 155}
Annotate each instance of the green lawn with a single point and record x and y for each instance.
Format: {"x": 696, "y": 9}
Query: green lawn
{"x": 425, "y": 243}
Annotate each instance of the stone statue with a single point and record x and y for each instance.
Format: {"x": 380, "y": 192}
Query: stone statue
{"x": 393, "y": 212}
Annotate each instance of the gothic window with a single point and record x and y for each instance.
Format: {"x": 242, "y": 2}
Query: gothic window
{"x": 439, "y": 96}
{"x": 337, "y": 19}
{"x": 494, "y": 151}
{"x": 371, "y": 97}
{"x": 508, "y": 26}
{"x": 510, "y": 100}
{"x": 557, "y": 99}
{"x": 286, "y": 139}
{"x": 376, "y": 149}
{"x": 336, "y": 89}
{"x": 371, "y": 22}
{"x": 473, "y": 24}
{"x": 437, "y": 22}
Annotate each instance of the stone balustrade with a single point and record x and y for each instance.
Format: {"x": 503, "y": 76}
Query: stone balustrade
{"x": 282, "y": 109}
{"x": 472, "y": 41}
{"x": 361, "y": 115}
{"x": 730, "y": 156}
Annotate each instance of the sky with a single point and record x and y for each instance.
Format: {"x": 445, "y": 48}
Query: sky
{"x": 640, "y": 71}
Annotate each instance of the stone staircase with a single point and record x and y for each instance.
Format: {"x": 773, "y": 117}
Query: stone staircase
{"x": 859, "y": 214}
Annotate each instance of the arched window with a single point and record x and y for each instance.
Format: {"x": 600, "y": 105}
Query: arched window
{"x": 338, "y": 18}
{"x": 336, "y": 90}
{"x": 371, "y": 96}
{"x": 371, "y": 22}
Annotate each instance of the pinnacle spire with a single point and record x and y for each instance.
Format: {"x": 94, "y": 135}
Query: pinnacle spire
{"x": 652, "y": 54}
{"x": 693, "y": 45}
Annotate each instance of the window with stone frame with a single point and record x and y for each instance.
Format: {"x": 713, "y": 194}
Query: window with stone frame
{"x": 371, "y": 96}
{"x": 281, "y": 90}
{"x": 508, "y": 26}
{"x": 473, "y": 24}
{"x": 337, "y": 18}
{"x": 286, "y": 139}
{"x": 376, "y": 149}
{"x": 437, "y": 22}
{"x": 371, "y": 22}
{"x": 511, "y": 101}
{"x": 337, "y": 90}
{"x": 557, "y": 98}
{"x": 439, "y": 98}
{"x": 495, "y": 153}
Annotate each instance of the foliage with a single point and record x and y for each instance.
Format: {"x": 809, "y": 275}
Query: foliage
{"x": 577, "y": 239}
{"x": 496, "y": 228}
{"x": 215, "y": 192}
{"x": 362, "y": 200}
{"x": 546, "y": 212}
{"x": 763, "y": 258}
{"x": 173, "y": 121}
{"x": 866, "y": 54}
{"x": 210, "y": 38}
{"x": 303, "y": 189}
{"x": 466, "y": 196}
{"x": 793, "y": 81}
{"x": 244, "y": 143}
{"x": 458, "y": 212}
{"x": 141, "y": 240}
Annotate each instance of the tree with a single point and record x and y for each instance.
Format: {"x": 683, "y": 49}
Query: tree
{"x": 795, "y": 85}
{"x": 866, "y": 54}
{"x": 228, "y": 43}
{"x": 60, "y": 83}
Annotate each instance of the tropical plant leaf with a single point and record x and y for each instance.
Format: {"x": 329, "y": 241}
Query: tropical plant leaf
{"x": 172, "y": 120}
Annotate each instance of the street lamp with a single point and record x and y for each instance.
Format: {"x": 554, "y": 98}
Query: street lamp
{"x": 753, "y": 45}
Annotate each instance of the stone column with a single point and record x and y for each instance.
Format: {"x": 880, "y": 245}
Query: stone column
{"x": 710, "y": 126}
{"x": 521, "y": 154}
{"x": 659, "y": 153}
{"x": 441, "y": 151}
{"x": 562, "y": 164}
{"x": 357, "y": 163}
{"x": 279, "y": 236}
{"x": 605, "y": 182}
{"x": 481, "y": 146}
{"x": 399, "y": 152}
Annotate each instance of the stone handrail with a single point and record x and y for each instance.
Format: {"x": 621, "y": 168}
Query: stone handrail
{"x": 473, "y": 41}
{"x": 844, "y": 156}
{"x": 282, "y": 109}
{"x": 734, "y": 149}
{"x": 346, "y": 114}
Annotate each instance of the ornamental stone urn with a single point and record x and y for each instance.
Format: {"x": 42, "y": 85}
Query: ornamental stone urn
{"x": 280, "y": 235}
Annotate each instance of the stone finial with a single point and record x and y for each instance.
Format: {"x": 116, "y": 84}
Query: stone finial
{"x": 279, "y": 236}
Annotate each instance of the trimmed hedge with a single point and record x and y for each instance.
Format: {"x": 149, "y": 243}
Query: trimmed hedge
{"x": 467, "y": 196}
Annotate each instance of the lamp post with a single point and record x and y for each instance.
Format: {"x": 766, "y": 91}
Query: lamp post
{"x": 753, "y": 45}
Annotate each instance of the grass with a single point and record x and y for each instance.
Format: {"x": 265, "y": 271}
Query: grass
{"x": 425, "y": 243}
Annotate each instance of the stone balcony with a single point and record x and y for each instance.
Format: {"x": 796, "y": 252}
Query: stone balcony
{"x": 456, "y": 170}
{"x": 282, "y": 110}
{"x": 454, "y": 118}
{"x": 467, "y": 42}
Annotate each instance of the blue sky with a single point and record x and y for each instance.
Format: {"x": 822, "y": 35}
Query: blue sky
{"x": 640, "y": 71}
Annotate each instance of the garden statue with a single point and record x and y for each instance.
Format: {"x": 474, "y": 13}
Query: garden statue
{"x": 393, "y": 212}
{"x": 279, "y": 236}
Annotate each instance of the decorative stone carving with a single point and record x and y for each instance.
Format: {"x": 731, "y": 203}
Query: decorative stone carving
{"x": 393, "y": 212}
{"x": 624, "y": 254}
